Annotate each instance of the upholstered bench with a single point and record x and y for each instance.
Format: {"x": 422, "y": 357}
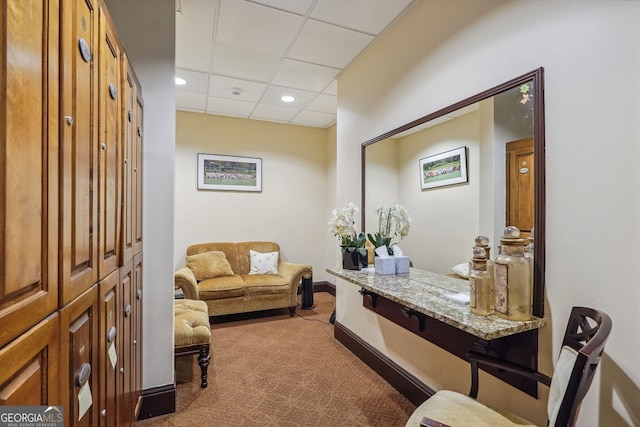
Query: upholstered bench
{"x": 192, "y": 332}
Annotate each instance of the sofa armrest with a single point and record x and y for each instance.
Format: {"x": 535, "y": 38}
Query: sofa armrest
{"x": 293, "y": 273}
{"x": 185, "y": 280}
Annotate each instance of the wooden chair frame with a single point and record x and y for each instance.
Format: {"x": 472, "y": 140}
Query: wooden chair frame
{"x": 587, "y": 337}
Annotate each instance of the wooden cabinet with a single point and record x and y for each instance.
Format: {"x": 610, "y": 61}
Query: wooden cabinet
{"x": 128, "y": 142}
{"x": 137, "y": 334}
{"x": 109, "y": 140}
{"x": 79, "y": 369}
{"x": 71, "y": 162}
{"x": 131, "y": 212}
{"x": 78, "y": 148}
{"x": 137, "y": 175}
{"x": 29, "y": 374}
{"x": 29, "y": 36}
{"x": 108, "y": 349}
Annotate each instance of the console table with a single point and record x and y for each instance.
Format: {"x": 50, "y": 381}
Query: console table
{"x": 433, "y": 306}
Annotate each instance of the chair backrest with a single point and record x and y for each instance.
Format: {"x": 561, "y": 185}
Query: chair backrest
{"x": 587, "y": 332}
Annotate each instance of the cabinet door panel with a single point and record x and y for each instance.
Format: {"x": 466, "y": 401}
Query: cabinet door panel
{"x": 128, "y": 142}
{"x": 79, "y": 323}
{"x": 137, "y": 175}
{"x": 108, "y": 159}
{"x": 29, "y": 36}
{"x": 78, "y": 153}
{"x": 137, "y": 332}
{"x": 29, "y": 374}
{"x": 108, "y": 364}
{"x": 126, "y": 404}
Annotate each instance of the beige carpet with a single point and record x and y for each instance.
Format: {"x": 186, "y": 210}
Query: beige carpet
{"x": 274, "y": 370}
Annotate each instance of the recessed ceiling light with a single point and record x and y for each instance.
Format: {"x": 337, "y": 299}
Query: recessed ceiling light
{"x": 180, "y": 81}
{"x": 288, "y": 98}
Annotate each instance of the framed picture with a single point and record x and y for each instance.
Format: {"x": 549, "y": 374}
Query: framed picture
{"x": 442, "y": 169}
{"x": 232, "y": 173}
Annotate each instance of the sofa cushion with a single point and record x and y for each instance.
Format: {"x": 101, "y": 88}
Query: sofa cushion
{"x": 208, "y": 265}
{"x": 243, "y": 258}
{"x": 221, "y": 287}
{"x": 263, "y": 263}
{"x": 265, "y": 284}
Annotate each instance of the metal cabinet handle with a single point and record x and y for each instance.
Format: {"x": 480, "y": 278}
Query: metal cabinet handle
{"x": 69, "y": 120}
{"x": 127, "y": 310}
{"x": 139, "y": 293}
{"x": 82, "y": 376}
{"x": 112, "y": 334}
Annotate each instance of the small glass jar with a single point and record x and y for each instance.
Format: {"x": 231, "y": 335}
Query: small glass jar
{"x": 480, "y": 287}
{"x": 512, "y": 278}
{"x": 483, "y": 242}
{"x": 528, "y": 254}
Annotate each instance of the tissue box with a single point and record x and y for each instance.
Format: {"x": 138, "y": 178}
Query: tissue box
{"x": 385, "y": 265}
{"x": 402, "y": 264}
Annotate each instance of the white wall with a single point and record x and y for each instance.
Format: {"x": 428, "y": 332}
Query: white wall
{"x": 290, "y": 210}
{"x": 152, "y": 54}
{"x": 591, "y": 55}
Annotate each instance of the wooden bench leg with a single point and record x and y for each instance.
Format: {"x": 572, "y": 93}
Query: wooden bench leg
{"x": 203, "y": 360}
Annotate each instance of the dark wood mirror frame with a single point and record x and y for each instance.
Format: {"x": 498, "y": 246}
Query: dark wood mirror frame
{"x": 535, "y": 76}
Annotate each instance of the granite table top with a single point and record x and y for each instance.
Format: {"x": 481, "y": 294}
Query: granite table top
{"x": 438, "y": 296}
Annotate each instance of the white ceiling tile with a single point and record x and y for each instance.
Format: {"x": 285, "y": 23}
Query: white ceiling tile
{"x": 196, "y": 18}
{"x": 273, "y": 112}
{"x": 302, "y": 75}
{"x": 314, "y": 119}
{"x": 274, "y": 93}
{"x": 193, "y": 53}
{"x": 244, "y": 63}
{"x": 256, "y": 27}
{"x": 229, "y": 107}
{"x": 324, "y": 104}
{"x": 328, "y": 45}
{"x": 191, "y": 101}
{"x": 300, "y": 7}
{"x": 196, "y": 82}
{"x": 223, "y": 87}
{"x": 369, "y": 16}
{"x": 332, "y": 89}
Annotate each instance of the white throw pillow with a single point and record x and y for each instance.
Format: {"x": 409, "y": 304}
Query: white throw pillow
{"x": 263, "y": 263}
{"x": 560, "y": 381}
{"x": 461, "y": 270}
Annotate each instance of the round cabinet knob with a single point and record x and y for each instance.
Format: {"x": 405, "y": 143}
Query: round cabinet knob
{"x": 126, "y": 161}
{"x": 103, "y": 412}
{"x": 122, "y": 370}
{"x": 135, "y": 342}
{"x": 69, "y": 120}
{"x": 104, "y": 146}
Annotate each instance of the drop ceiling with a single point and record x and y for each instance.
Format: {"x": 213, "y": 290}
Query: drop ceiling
{"x": 239, "y": 57}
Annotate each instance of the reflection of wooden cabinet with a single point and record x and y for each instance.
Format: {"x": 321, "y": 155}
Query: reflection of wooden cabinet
{"x": 70, "y": 309}
{"x": 79, "y": 323}
{"x": 29, "y": 374}
{"x": 29, "y": 182}
{"x": 520, "y": 185}
{"x": 78, "y": 148}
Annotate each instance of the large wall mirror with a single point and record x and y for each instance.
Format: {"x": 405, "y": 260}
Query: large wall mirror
{"x": 502, "y": 132}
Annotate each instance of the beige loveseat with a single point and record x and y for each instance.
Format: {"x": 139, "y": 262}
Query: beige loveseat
{"x": 225, "y": 276}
